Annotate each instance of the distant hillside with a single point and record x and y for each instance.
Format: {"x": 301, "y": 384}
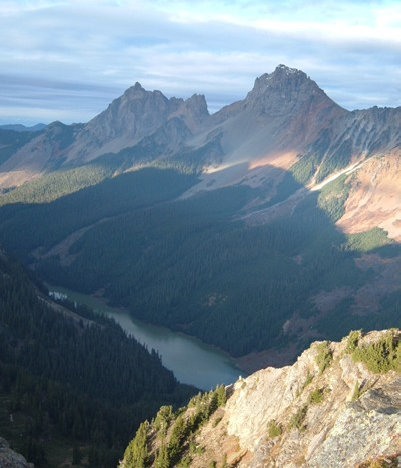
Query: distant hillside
{"x": 23, "y": 128}
{"x": 72, "y": 385}
{"x": 338, "y": 406}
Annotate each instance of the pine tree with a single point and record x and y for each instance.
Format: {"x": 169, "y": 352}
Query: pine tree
{"x": 162, "y": 459}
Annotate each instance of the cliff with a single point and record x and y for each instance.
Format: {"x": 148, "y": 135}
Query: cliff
{"x": 339, "y": 405}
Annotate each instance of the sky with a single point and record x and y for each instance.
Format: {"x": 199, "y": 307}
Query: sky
{"x": 68, "y": 59}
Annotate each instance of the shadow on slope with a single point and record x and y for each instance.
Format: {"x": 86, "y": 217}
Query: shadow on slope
{"x": 28, "y": 226}
{"x": 193, "y": 266}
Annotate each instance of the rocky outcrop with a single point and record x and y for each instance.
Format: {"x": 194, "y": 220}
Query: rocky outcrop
{"x": 338, "y": 406}
{"x": 11, "y": 459}
{"x": 324, "y": 421}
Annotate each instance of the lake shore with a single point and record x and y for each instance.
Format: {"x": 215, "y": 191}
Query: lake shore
{"x": 191, "y": 360}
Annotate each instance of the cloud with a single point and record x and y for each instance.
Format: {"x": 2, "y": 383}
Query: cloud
{"x": 68, "y": 59}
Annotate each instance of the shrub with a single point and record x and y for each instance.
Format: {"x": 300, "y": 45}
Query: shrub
{"x": 324, "y": 356}
{"x": 274, "y": 429}
{"x": 387, "y": 462}
{"x": 217, "y": 420}
{"x": 357, "y": 392}
{"x": 298, "y": 418}
{"x": 185, "y": 462}
{"x": 308, "y": 380}
{"x": 353, "y": 340}
{"x": 316, "y": 396}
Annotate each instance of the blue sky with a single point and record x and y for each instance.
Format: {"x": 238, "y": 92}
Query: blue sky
{"x": 66, "y": 60}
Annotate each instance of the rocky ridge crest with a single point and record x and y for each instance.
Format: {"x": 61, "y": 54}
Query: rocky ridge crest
{"x": 337, "y": 406}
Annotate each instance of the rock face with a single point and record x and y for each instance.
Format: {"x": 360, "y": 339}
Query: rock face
{"x": 11, "y": 459}
{"x": 130, "y": 120}
{"x": 283, "y": 114}
{"x": 325, "y": 411}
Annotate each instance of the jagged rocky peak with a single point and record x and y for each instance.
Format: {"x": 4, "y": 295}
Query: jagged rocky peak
{"x": 198, "y": 101}
{"x": 138, "y": 92}
{"x": 285, "y": 86}
{"x": 194, "y": 110}
{"x": 136, "y": 113}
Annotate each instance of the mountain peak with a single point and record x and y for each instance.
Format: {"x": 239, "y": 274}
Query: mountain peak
{"x": 137, "y": 86}
{"x": 285, "y": 89}
{"x": 282, "y": 78}
{"x": 283, "y": 69}
{"x": 198, "y": 101}
{"x": 135, "y": 91}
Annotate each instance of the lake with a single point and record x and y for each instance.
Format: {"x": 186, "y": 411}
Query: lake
{"x": 192, "y": 361}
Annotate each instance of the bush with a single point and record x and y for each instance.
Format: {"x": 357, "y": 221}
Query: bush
{"x": 353, "y": 340}
{"x": 297, "y": 419}
{"x": 316, "y": 396}
{"x": 357, "y": 392}
{"x": 324, "y": 356}
{"x": 274, "y": 429}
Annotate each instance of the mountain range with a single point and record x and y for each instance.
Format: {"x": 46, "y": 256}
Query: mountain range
{"x": 276, "y": 214}
{"x": 285, "y": 122}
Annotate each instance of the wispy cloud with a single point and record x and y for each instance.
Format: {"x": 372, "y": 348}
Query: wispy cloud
{"x": 68, "y": 59}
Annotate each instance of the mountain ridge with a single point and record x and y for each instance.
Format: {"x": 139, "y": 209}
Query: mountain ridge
{"x": 284, "y": 118}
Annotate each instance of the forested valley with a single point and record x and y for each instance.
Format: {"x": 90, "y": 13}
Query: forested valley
{"x": 194, "y": 265}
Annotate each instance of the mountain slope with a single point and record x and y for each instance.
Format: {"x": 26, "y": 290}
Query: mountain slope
{"x": 338, "y": 406}
{"x": 374, "y": 197}
{"x": 71, "y": 379}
